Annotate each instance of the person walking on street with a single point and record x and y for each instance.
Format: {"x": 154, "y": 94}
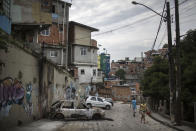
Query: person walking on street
{"x": 143, "y": 110}
{"x": 134, "y": 106}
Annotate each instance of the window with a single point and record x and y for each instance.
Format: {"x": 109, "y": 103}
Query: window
{"x": 83, "y": 51}
{"x": 45, "y": 32}
{"x": 5, "y": 7}
{"x": 53, "y": 53}
{"x": 53, "y": 8}
{"x": 60, "y": 28}
{"x": 82, "y": 72}
{"x": 93, "y": 98}
{"x": 94, "y": 72}
{"x": 99, "y": 99}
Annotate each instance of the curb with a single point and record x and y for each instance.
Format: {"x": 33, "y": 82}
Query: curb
{"x": 165, "y": 123}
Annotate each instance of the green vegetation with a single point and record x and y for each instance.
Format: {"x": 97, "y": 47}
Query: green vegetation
{"x": 155, "y": 80}
{"x": 188, "y": 62}
{"x": 121, "y": 74}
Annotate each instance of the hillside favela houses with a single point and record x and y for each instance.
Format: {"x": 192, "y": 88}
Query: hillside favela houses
{"x": 83, "y": 56}
{"x": 38, "y": 47}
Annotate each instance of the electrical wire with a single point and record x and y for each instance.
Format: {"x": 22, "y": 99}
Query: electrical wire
{"x": 161, "y": 42}
{"x": 128, "y": 25}
{"x": 160, "y": 24}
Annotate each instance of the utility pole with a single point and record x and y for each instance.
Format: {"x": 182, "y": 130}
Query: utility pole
{"x": 171, "y": 64}
{"x": 178, "y": 67}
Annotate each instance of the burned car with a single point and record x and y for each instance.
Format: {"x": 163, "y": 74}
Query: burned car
{"x": 65, "y": 109}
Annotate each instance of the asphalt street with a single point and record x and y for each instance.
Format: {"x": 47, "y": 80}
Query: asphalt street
{"x": 123, "y": 120}
{"x": 120, "y": 119}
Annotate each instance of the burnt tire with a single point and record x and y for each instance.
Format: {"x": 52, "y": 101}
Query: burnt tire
{"x": 89, "y": 105}
{"x": 59, "y": 116}
{"x": 107, "y": 107}
{"x": 96, "y": 117}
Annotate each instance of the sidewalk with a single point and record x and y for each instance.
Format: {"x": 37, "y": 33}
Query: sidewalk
{"x": 168, "y": 123}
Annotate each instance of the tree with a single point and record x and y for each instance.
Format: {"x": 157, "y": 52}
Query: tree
{"x": 188, "y": 62}
{"x": 155, "y": 80}
{"x": 121, "y": 74}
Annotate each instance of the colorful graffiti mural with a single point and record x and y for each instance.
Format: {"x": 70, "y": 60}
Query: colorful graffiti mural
{"x": 11, "y": 92}
{"x": 29, "y": 105}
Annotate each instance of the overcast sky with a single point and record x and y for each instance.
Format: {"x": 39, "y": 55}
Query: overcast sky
{"x": 129, "y": 29}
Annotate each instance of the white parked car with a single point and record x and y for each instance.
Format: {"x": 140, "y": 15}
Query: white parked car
{"x": 65, "y": 109}
{"x": 93, "y": 101}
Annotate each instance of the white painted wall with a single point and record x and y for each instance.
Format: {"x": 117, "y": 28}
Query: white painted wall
{"x": 86, "y": 78}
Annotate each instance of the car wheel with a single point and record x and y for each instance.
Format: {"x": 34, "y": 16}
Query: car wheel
{"x": 59, "y": 116}
{"x": 107, "y": 107}
{"x": 96, "y": 116}
{"x": 89, "y": 105}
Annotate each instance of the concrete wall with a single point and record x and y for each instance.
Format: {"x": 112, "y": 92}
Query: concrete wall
{"x": 56, "y": 60}
{"x": 86, "y": 78}
{"x": 82, "y": 36}
{"x": 31, "y": 11}
{"x": 90, "y": 57}
{"x": 57, "y": 16}
{"x": 21, "y": 74}
{"x": 28, "y": 88}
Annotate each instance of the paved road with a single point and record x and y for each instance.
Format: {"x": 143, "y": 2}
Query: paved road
{"x": 121, "y": 114}
{"x": 123, "y": 121}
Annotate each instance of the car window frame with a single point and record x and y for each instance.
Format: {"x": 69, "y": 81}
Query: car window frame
{"x": 100, "y": 99}
{"x": 92, "y": 99}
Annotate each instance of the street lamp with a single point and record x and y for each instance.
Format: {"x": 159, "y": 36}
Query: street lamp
{"x": 136, "y": 3}
{"x": 171, "y": 62}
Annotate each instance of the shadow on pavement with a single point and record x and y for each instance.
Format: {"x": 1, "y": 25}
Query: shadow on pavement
{"x": 82, "y": 119}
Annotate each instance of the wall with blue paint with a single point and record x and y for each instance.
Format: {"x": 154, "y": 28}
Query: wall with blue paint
{"x": 5, "y": 24}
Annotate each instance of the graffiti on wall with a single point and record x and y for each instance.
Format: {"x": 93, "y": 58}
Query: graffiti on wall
{"x": 70, "y": 91}
{"x": 11, "y": 92}
{"x": 29, "y": 105}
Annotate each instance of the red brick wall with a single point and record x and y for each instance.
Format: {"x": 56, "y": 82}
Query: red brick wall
{"x": 105, "y": 92}
{"x": 121, "y": 91}
{"x": 109, "y": 84}
{"x": 54, "y": 38}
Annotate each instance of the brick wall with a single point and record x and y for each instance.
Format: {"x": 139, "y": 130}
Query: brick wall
{"x": 121, "y": 93}
{"x": 105, "y": 92}
{"x": 54, "y": 37}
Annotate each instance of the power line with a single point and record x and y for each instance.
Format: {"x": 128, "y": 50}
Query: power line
{"x": 135, "y": 22}
{"x": 160, "y": 24}
{"x": 161, "y": 42}
{"x": 128, "y": 25}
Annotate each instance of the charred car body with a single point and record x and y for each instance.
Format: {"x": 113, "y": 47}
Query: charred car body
{"x": 65, "y": 109}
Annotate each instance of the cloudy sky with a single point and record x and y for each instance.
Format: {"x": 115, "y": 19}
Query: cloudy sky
{"x": 126, "y": 30}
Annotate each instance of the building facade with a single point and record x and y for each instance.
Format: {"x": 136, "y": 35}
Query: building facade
{"x": 133, "y": 68}
{"x": 54, "y": 39}
{"x": 29, "y": 18}
{"x": 83, "y": 54}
